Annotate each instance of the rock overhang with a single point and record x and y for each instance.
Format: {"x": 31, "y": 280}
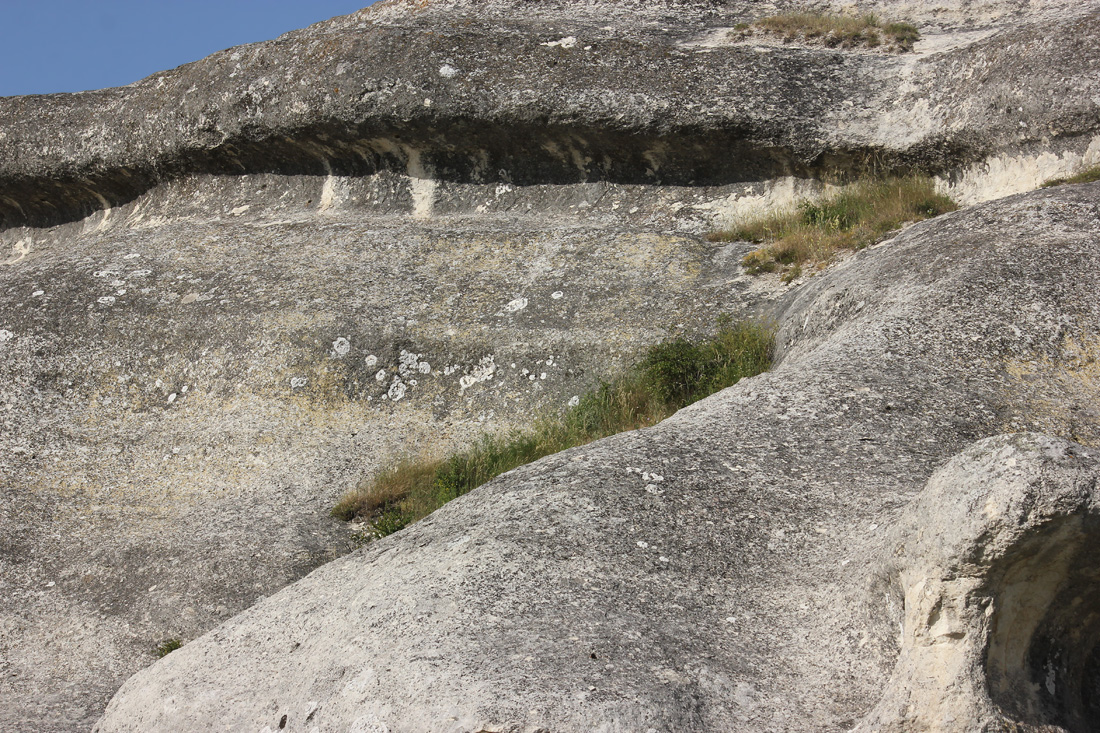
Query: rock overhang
{"x": 437, "y": 93}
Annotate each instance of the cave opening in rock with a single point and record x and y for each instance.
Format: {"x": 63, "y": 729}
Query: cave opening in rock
{"x": 1043, "y": 659}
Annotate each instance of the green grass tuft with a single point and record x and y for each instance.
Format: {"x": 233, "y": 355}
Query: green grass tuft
{"x": 670, "y": 375}
{"x": 167, "y": 646}
{"x": 856, "y": 217}
{"x": 1088, "y": 176}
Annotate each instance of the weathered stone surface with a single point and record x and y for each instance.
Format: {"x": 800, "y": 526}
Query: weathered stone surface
{"x": 996, "y": 563}
{"x": 725, "y": 570}
{"x": 184, "y": 402}
{"x": 566, "y": 92}
{"x": 209, "y": 269}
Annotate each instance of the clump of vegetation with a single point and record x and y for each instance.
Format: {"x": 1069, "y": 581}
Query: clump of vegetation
{"x": 1089, "y": 176}
{"x": 671, "y": 375}
{"x": 167, "y": 646}
{"x": 832, "y": 30}
{"x": 852, "y": 219}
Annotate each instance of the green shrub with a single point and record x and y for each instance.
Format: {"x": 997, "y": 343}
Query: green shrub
{"x": 813, "y": 232}
{"x": 669, "y": 376}
{"x": 167, "y": 646}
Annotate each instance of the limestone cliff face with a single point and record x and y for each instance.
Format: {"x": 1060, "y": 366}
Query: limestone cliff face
{"x": 746, "y": 564}
{"x": 232, "y": 289}
{"x": 564, "y": 92}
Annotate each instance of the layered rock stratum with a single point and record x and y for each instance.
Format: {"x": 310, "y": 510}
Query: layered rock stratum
{"x": 236, "y": 287}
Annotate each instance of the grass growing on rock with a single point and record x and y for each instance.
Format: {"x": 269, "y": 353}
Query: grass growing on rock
{"x": 671, "y": 375}
{"x": 167, "y": 646}
{"x": 1088, "y": 176}
{"x": 852, "y": 219}
{"x": 833, "y": 30}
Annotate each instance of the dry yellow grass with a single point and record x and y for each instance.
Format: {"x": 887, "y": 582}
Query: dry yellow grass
{"x": 844, "y": 31}
{"x": 858, "y": 216}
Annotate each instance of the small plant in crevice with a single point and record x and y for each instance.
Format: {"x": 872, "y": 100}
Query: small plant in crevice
{"x": 814, "y": 231}
{"x": 1090, "y": 175}
{"x": 834, "y": 30}
{"x": 670, "y": 375}
{"x": 167, "y": 646}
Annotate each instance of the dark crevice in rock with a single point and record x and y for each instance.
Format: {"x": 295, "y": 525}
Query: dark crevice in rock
{"x": 465, "y": 151}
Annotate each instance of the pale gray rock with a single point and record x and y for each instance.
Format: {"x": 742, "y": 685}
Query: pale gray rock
{"x": 995, "y": 566}
{"x": 183, "y": 401}
{"x": 495, "y": 92}
{"x": 745, "y": 564}
{"x": 221, "y": 286}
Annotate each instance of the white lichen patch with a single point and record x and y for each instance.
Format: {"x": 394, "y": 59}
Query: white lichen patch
{"x": 6, "y": 335}
{"x": 381, "y": 375}
{"x": 447, "y": 71}
{"x": 371, "y": 360}
{"x": 19, "y": 251}
{"x": 410, "y": 364}
{"x": 574, "y": 400}
{"x": 106, "y": 300}
{"x": 567, "y": 42}
{"x": 557, "y": 295}
{"x": 483, "y": 372}
{"x": 298, "y": 382}
{"x": 516, "y": 304}
{"x": 341, "y": 346}
{"x": 396, "y": 390}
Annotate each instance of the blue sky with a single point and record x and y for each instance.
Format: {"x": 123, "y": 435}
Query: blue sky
{"x": 70, "y": 45}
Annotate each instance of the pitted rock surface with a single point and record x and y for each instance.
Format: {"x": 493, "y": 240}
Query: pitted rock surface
{"x": 720, "y": 571}
{"x": 234, "y": 288}
{"x": 184, "y": 404}
{"x": 567, "y": 92}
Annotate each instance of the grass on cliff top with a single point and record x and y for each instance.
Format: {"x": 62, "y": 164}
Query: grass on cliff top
{"x": 1088, "y": 176}
{"x": 832, "y": 30}
{"x": 671, "y": 375}
{"x": 852, "y": 219}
